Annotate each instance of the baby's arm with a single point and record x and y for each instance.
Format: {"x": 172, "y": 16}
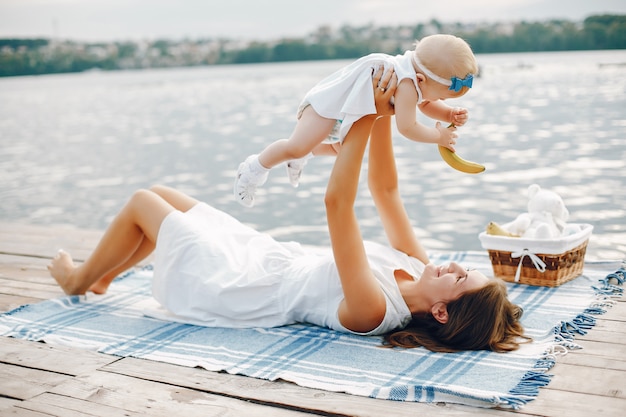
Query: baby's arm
{"x": 406, "y": 120}
{"x": 438, "y": 110}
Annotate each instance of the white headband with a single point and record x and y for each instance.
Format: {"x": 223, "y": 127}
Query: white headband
{"x": 429, "y": 73}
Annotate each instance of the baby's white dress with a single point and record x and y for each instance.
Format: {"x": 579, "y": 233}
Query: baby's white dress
{"x": 212, "y": 270}
{"x": 347, "y": 94}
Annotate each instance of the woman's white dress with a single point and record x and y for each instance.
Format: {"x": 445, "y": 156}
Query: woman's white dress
{"x": 347, "y": 94}
{"x": 212, "y": 270}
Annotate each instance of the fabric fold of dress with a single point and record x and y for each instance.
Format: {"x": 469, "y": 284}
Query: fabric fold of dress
{"x": 347, "y": 94}
{"x": 212, "y": 270}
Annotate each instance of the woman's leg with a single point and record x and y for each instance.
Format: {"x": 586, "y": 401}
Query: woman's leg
{"x": 138, "y": 221}
{"x": 102, "y": 285}
{"x": 179, "y": 200}
{"x": 176, "y": 199}
{"x": 311, "y": 129}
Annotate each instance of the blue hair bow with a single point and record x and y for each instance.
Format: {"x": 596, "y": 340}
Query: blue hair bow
{"x": 458, "y": 83}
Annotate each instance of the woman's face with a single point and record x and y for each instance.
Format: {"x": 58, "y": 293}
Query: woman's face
{"x": 445, "y": 283}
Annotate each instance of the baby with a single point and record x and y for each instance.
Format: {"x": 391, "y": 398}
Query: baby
{"x": 440, "y": 67}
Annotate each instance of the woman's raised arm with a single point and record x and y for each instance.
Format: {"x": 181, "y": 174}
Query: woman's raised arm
{"x": 363, "y": 307}
{"x": 383, "y": 185}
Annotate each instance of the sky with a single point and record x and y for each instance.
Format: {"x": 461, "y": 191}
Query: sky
{"x": 121, "y": 20}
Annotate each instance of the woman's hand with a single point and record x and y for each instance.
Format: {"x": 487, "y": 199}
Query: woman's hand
{"x": 384, "y": 84}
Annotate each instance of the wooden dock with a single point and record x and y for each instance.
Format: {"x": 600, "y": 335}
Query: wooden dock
{"x": 41, "y": 380}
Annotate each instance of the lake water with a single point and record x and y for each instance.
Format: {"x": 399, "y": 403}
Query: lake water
{"x": 73, "y": 147}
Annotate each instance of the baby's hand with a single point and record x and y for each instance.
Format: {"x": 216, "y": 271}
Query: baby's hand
{"x": 459, "y": 116}
{"x": 447, "y": 136}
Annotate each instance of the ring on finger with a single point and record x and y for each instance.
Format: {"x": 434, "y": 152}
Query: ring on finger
{"x": 382, "y": 89}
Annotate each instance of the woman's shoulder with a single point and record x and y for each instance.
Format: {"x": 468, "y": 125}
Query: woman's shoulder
{"x": 397, "y": 316}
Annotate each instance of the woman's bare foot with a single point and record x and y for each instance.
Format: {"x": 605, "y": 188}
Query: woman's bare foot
{"x": 101, "y": 286}
{"x": 62, "y": 268}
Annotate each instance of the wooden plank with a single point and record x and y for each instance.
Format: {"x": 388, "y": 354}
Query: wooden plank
{"x": 555, "y": 403}
{"x": 10, "y": 302}
{"x": 36, "y": 245}
{"x": 28, "y": 269}
{"x": 605, "y": 335}
{"x": 611, "y": 322}
{"x": 6, "y": 403}
{"x": 45, "y": 241}
{"x": 603, "y": 344}
{"x": 20, "y": 412}
{"x": 609, "y": 350}
{"x": 46, "y": 251}
{"x": 60, "y": 359}
{"x": 12, "y": 260}
{"x": 33, "y": 289}
{"x": 24, "y": 268}
{"x": 597, "y": 355}
{"x": 617, "y": 312}
{"x": 24, "y": 383}
{"x": 586, "y": 380}
{"x": 63, "y": 406}
{"x": 284, "y": 393}
{"x": 157, "y": 399}
{"x": 25, "y": 280}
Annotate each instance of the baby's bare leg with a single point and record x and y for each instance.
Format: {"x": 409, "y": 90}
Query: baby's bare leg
{"x": 139, "y": 219}
{"x": 311, "y": 129}
{"x": 327, "y": 149}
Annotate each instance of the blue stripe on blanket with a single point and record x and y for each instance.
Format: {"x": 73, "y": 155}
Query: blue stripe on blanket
{"x": 324, "y": 359}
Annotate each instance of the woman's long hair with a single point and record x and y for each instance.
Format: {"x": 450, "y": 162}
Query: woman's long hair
{"x": 482, "y": 319}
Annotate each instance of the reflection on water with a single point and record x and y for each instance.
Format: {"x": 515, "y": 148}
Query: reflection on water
{"x": 73, "y": 147}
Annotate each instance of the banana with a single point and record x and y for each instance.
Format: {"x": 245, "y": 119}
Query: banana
{"x": 495, "y": 229}
{"x": 458, "y": 163}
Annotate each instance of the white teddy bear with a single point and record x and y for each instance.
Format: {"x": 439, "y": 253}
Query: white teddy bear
{"x": 546, "y": 217}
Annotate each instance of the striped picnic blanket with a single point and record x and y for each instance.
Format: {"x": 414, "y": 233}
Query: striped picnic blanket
{"x": 320, "y": 358}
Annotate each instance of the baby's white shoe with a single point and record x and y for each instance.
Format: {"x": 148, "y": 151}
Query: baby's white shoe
{"x": 250, "y": 175}
{"x": 294, "y": 169}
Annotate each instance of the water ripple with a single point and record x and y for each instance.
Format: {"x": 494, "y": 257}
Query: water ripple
{"x": 557, "y": 119}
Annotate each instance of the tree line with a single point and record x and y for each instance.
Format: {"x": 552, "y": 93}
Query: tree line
{"x": 43, "y": 56}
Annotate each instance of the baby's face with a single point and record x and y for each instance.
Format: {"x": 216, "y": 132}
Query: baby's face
{"x": 433, "y": 91}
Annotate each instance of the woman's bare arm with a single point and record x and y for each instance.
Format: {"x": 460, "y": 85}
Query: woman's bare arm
{"x": 383, "y": 185}
{"x": 364, "y": 306}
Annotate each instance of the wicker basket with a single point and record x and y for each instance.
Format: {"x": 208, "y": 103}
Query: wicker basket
{"x": 558, "y": 268}
{"x": 537, "y": 262}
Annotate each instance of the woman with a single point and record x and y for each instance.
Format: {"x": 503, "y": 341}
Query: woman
{"x": 209, "y": 269}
